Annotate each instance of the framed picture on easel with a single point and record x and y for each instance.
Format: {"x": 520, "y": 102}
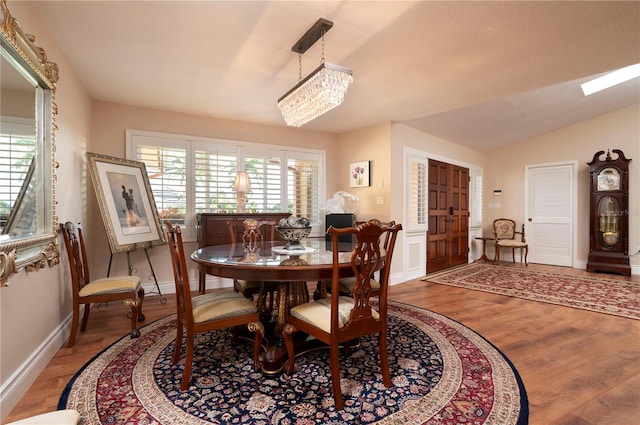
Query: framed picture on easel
{"x": 126, "y": 203}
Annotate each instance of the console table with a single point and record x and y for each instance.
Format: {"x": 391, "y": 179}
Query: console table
{"x": 213, "y": 231}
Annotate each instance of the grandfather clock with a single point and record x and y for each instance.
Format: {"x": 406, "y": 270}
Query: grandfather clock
{"x": 609, "y": 214}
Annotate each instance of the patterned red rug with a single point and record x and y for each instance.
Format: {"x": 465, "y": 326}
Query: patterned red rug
{"x": 617, "y": 297}
{"x": 442, "y": 373}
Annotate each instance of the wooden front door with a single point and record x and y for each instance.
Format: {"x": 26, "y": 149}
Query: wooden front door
{"x": 448, "y": 235}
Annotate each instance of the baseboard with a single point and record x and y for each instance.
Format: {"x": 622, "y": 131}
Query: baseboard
{"x": 17, "y": 385}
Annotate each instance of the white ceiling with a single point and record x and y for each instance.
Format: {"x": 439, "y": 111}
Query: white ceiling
{"x": 481, "y": 74}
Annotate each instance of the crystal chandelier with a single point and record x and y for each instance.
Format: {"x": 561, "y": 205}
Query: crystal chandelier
{"x": 320, "y": 91}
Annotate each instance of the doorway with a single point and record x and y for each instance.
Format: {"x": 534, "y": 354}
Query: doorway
{"x": 448, "y": 231}
{"x": 551, "y": 212}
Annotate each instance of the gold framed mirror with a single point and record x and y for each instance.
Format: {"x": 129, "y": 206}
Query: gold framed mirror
{"x": 28, "y": 220}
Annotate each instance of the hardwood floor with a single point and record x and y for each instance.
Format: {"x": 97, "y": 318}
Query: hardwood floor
{"x": 578, "y": 367}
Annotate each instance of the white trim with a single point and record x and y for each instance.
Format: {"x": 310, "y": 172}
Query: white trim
{"x": 16, "y": 386}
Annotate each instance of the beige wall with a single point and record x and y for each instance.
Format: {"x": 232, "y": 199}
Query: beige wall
{"x": 506, "y": 167}
{"x": 369, "y": 144}
{"x": 33, "y": 309}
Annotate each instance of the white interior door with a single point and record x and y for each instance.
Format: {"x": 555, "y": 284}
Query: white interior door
{"x": 551, "y": 212}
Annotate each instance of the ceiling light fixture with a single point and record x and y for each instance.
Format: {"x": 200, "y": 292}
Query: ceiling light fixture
{"x": 611, "y": 79}
{"x": 320, "y": 91}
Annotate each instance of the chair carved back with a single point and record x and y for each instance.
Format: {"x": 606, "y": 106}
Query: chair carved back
{"x": 74, "y": 244}
{"x": 367, "y": 258}
{"x": 180, "y": 273}
{"x": 253, "y": 232}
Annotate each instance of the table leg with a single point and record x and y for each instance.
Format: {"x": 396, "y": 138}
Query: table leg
{"x": 290, "y": 294}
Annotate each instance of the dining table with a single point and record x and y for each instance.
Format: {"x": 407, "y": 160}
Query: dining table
{"x": 292, "y": 269}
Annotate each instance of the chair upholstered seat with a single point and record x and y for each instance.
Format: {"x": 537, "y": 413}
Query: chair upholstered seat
{"x": 110, "y": 285}
{"x": 221, "y": 305}
{"x": 318, "y": 313}
{"x": 58, "y": 417}
{"x": 511, "y": 243}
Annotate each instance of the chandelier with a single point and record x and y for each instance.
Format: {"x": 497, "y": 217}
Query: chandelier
{"x": 320, "y": 91}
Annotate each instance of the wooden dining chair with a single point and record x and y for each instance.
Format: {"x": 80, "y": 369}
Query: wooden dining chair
{"x": 86, "y": 291}
{"x": 253, "y": 234}
{"x": 348, "y": 283}
{"x": 207, "y": 312}
{"x": 339, "y": 319}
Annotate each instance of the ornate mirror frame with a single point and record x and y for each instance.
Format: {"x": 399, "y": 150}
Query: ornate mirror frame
{"x": 37, "y": 250}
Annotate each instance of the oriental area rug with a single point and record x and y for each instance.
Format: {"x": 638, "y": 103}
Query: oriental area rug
{"x": 599, "y": 294}
{"x": 442, "y": 373}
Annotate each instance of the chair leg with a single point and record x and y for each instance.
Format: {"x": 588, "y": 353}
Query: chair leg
{"x": 287, "y": 333}
{"x": 134, "y": 306}
{"x": 335, "y": 377}
{"x": 258, "y": 329}
{"x": 74, "y": 325}
{"x": 178, "y": 347}
{"x": 513, "y": 254}
{"x": 526, "y": 254}
{"x": 141, "y": 317}
{"x": 384, "y": 358}
{"x": 85, "y": 317}
{"x": 188, "y": 360}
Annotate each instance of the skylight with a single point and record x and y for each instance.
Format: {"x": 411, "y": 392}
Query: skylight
{"x": 611, "y": 79}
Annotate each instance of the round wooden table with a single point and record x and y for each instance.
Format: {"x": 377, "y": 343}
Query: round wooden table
{"x": 290, "y": 270}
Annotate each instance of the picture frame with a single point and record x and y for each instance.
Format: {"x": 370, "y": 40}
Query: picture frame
{"x": 359, "y": 174}
{"x": 126, "y": 203}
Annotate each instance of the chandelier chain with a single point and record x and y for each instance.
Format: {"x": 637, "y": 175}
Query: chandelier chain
{"x": 322, "y": 57}
{"x": 299, "y": 67}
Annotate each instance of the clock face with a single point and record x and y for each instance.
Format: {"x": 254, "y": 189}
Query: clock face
{"x": 609, "y": 179}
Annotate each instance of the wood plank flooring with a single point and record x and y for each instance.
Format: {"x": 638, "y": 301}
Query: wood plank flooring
{"x": 579, "y": 367}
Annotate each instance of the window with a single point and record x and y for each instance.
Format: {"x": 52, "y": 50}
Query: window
{"x": 416, "y": 193}
{"x": 17, "y": 150}
{"x": 191, "y": 175}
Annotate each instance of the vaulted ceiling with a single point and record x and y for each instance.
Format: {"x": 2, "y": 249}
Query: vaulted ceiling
{"x": 481, "y": 74}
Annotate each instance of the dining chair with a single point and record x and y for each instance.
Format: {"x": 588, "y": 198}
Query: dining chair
{"x": 86, "y": 291}
{"x": 253, "y": 234}
{"x": 207, "y": 312}
{"x": 348, "y": 283}
{"x": 504, "y": 231}
{"x": 339, "y": 319}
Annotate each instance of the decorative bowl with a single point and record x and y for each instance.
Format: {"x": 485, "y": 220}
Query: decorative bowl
{"x": 293, "y": 235}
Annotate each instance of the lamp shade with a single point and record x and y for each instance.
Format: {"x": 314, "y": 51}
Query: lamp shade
{"x": 242, "y": 183}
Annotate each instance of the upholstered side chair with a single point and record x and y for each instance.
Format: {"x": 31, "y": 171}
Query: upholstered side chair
{"x": 339, "y": 319}
{"x": 207, "y": 312}
{"x": 506, "y": 236}
{"x": 86, "y": 291}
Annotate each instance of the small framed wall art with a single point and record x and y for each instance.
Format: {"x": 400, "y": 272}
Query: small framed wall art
{"x": 359, "y": 174}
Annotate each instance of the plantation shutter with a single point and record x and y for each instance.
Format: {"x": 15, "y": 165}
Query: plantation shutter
{"x": 416, "y": 194}
{"x": 303, "y": 188}
{"x": 215, "y": 172}
{"x": 167, "y": 172}
{"x": 265, "y": 176}
{"x": 16, "y": 154}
